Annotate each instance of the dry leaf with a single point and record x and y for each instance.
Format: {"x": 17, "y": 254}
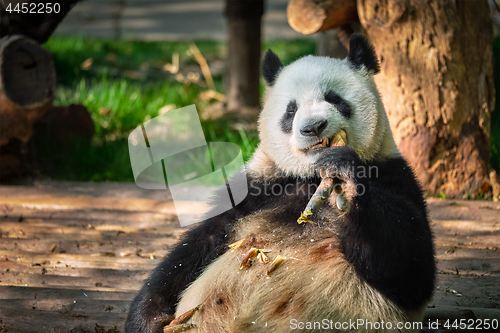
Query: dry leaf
{"x": 166, "y": 108}
{"x": 87, "y": 64}
{"x": 174, "y": 66}
{"x": 246, "y": 259}
{"x": 262, "y": 257}
{"x": 212, "y": 94}
{"x": 111, "y": 57}
{"x": 275, "y": 264}
{"x": 237, "y": 245}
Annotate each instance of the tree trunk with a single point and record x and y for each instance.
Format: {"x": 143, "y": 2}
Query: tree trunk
{"x": 437, "y": 86}
{"x": 243, "y": 55}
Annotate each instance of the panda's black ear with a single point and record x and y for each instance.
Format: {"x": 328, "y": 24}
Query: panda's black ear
{"x": 271, "y": 67}
{"x": 362, "y": 53}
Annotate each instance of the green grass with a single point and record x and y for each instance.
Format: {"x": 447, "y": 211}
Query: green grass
{"x": 70, "y": 52}
{"x": 125, "y": 85}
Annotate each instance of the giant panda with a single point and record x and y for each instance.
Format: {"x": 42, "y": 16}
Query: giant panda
{"x": 368, "y": 255}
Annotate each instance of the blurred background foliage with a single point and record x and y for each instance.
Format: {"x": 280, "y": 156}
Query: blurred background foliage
{"x": 125, "y": 83}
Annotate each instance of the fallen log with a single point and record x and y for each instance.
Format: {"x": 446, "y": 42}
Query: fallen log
{"x": 27, "y": 86}
{"x": 310, "y": 16}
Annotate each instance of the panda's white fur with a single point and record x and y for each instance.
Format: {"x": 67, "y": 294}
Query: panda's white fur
{"x": 371, "y": 260}
{"x": 306, "y": 80}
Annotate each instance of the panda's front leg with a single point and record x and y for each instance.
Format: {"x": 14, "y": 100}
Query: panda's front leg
{"x": 384, "y": 233}
{"x": 349, "y": 174}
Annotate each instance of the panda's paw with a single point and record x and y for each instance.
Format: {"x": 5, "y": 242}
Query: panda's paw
{"x": 340, "y": 162}
{"x": 344, "y": 192}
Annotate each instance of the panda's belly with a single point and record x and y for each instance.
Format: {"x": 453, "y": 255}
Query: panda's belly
{"x": 313, "y": 284}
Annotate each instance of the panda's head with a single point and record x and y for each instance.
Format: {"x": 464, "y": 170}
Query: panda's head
{"x": 314, "y": 102}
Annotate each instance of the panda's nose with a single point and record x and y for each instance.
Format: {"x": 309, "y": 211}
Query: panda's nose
{"x": 314, "y": 129}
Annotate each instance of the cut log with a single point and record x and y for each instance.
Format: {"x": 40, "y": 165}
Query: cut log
{"x": 27, "y": 86}
{"x": 310, "y": 16}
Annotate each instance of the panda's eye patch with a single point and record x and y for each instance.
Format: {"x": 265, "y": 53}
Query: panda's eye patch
{"x": 341, "y": 104}
{"x": 291, "y": 107}
{"x": 287, "y": 119}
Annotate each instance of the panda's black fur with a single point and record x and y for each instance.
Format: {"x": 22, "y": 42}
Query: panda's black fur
{"x": 287, "y": 119}
{"x": 160, "y": 294}
{"x": 384, "y": 236}
{"x": 362, "y": 53}
{"x": 272, "y": 66}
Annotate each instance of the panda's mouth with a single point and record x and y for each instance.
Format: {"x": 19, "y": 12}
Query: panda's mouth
{"x": 338, "y": 140}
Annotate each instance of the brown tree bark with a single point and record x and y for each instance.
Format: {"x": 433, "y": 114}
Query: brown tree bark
{"x": 437, "y": 86}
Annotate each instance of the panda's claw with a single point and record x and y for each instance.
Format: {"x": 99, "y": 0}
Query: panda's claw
{"x": 322, "y": 173}
{"x": 342, "y": 203}
{"x": 329, "y": 172}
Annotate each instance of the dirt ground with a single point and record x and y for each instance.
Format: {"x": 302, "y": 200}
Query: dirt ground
{"x": 73, "y": 255}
